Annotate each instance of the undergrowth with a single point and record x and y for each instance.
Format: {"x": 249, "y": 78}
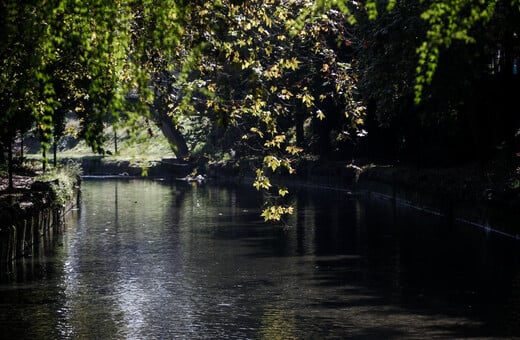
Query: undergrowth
{"x": 62, "y": 181}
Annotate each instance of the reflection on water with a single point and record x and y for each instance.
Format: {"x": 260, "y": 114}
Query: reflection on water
{"x": 144, "y": 259}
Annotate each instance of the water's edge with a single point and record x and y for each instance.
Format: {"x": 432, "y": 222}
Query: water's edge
{"x": 28, "y": 222}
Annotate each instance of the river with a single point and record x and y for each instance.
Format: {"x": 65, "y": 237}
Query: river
{"x": 143, "y": 259}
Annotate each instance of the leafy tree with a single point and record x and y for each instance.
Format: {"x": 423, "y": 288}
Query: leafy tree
{"x": 66, "y": 55}
{"x": 447, "y": 21}
{"x": 16, "y": 72}
{"x": 260, "y": 77}
{"x": 425, "y": 72}
{"x": 266, "y": 73}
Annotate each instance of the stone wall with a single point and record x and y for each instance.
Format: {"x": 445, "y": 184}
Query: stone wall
{"x": 24, "y": 220}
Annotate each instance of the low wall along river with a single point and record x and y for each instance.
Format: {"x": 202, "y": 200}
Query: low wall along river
{"x": 28, "y": 224}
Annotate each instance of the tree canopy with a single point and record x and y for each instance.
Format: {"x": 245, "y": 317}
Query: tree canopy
{"x": 272, "y": 80}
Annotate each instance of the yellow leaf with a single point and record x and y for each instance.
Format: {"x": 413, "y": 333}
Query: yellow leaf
{"x": 308, "y": 99}
{"x": 283, "y": 191}
{"x": 291, "y": 64}
{"x": 257, "y": 131}
{"x": 272, "y": 162}
{"x": 286, "y": 94}
{"x": 272, "y": 72}
{"x": 293, "y": 150}
{"x": 275, "y": 213}
{"x": 276, "y": 141}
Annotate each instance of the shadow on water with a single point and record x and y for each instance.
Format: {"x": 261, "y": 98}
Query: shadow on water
{"x": 459, "y": 282}
{"x": 165, "y": 260}
{"x": 452, "y": 280}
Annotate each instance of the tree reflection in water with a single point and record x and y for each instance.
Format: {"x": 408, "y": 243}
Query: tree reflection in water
{"x": 145, "y": 259}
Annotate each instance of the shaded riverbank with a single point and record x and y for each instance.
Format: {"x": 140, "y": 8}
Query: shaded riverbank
{"x": 32, "y": 212}
{"x": 471, "y": 193}
{"x": 460, "y": 195}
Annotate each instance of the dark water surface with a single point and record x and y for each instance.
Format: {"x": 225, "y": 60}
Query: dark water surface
{"x": 152, "y": 260}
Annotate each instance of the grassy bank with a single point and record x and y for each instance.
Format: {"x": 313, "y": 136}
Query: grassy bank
{"x": 59, "y": 182}
{"x": 121, "y": 144}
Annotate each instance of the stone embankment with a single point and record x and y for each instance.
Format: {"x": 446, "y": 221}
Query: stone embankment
{"x": 471, "y": 194}
{"x": 29, "y": 215}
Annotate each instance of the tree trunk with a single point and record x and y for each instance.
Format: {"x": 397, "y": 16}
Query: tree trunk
{"x": 300, "y": 137}
{"x": 115, "y": 141}
{"x": 21, "y": 147}
{"x": 55, "y": 151}
{"x": 175, "y": 138}
{"x": 44, "y": 159}
{"x": 10, "y": 163}
{"x": 164, "y": 87}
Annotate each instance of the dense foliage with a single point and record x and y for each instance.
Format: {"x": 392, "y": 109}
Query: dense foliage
{"x": 65, "y": 55}
{"x": 263, "y": 82}
{"x": 266, "y": 82}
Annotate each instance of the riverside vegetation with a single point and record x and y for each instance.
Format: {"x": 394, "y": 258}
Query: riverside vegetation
{"x": 33, "y": 208}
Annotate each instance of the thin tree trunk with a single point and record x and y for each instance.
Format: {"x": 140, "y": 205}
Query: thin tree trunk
{"x": 10, "y": 164}
{"x": 115, "y": 141}
{"x": 21, "y": 147}
{"x": 55, "y": 151}
{"x": 44, "y": 159}
{"x": 300, "y": 137}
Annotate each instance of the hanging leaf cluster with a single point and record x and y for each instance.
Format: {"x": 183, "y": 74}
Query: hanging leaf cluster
{"x": 254, "y": 70}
